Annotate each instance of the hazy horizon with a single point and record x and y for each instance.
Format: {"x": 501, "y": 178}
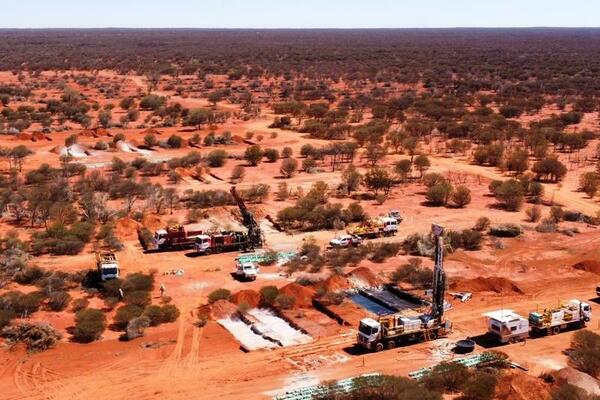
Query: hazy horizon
{"x": 308, "y": 14}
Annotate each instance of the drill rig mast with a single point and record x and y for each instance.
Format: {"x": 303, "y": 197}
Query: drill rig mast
{"x": 254, "y": 233}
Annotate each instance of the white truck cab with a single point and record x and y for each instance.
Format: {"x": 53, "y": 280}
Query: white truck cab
{"x": 368, "y": 332}
{"x": 246, "y": 270}
{"x": 390, "y": 225}
{"x": 345, "y": 241}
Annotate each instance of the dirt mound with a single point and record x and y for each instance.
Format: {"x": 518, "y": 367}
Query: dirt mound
{"x": 126, "y": 228}
{"x": 87, "y": 133}
{"x": 486, "y": 284}
{"x": 152, "y": 222}
{"x": 302, "y": 294}
{"x": 579, "y": 379}
{"x": 23, "y": 136}
{"x": 101, "y": 132}
{"x": 250, "y": 297}
{"x": 592, "y": 266}
{"x": 222, "y": 309}
{"x": 151, "y": 131}
{"x": 237, "y": 139}
{"x": 39, "y": 136}
{"x": 517, "y": 385}
{"x": 336, "y": 283}
{"x": 363, "y": 277}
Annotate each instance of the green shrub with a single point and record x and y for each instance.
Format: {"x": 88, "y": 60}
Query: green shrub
{"x": 471, "y": 239}
{"x": 89, "y": 325}
{"x": 138, "y": 298}
{"x": 138, "y": 281}
{"x": 169, "y": 313}
{"x": 29, "y": 275}
{"x": 268, "y": 294}
{"x": 58, "y": 300}
{"x": 219, "y": 294}
{"x": 586, "y": 352}
{"x": 5, "y": 317}
{"x": 79, "y": 304}
{"x": 154, "y": 314}
{"x": 37, "y": 336}
{"x": 284, "y": 301}
{"x": 447, "y": 377}
{"x": 480, "y": 386}
{"x": 125, "y": 314}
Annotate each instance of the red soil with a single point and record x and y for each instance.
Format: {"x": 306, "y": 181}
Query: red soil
{"x": 592, "y": 266}
{"x": 365, "y": 276}
{"x": 486, "y": 284}
{"x": 222, "y": 309}
{"x": 250, "y": 297}
{"x": 126, "y": 228}
{"x": 302, "y": 294}
{"x": 336, "y": 283}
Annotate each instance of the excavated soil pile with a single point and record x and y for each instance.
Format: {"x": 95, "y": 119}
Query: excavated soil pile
{"x": 237, "y": 139}
{"x": 222, "y": 309}
{"x": 87, "y": 133}
{"x": 126, "y": 228}
{"x": 250, "y": 297}
{"x": 486, "y": 284}
{"x": 579, "y": 379}
{"x": 302, "y": 294}
{"x": 23, "y": 136}
{"x": 363, "y": 277}
{"x": 517, "y": 385}
{"x": 592, "y": 266}
{"x": 336, "y": 283}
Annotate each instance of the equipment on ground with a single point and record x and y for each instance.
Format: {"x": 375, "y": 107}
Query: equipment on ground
{"x": 346, "y": 241}
{"x": 464, "y": 346}
{"x": 246, "y": 271}
{"x": 396, "y": 215}
{"x": 506, "y": 326}
{"x": 375, "y": 227}
{"x": 390, "y": 330}
{"x": 177, "y": 236}
{"x": 108, "y": 266}
{"x": 255, "y": 235}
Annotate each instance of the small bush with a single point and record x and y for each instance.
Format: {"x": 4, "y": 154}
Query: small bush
{"x": 169, "y": 313}
{"x": 37, "y": 336}
{"x": 138, "y": 298}
{"x": 480, "y": 386}
{"x": 29, "y": 275}
{"x": 548, "y": 225}
{"x": 482, "y": 224}
{"x": 79, "y": 304}
{"x": 136, "y": 327}
{"x": 586, "y": 352}
{"x": 534, "y": 213}
{"x": 414, "y": 273}
{"x": 154, "y": 315}
{"x": 219, "y": 294}
{"x": 471, "y": 239}
{"x": 138, "y": 281}
{"x": 58, "y": 300}
{"x": 125, "y": 314}
{"x": 5, "y": 317}
{"x": 447, "y": 377}
{"x": 461, "y": 196}
{"x": 89, "y": 325}
{"x": 506, "y": 230}
{"x": 284, "y": 301}
{"x": 268, "y": 294}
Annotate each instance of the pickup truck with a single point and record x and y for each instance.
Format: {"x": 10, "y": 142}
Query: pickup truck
{"x": 246, "y": 271}
{"x": 345, "y": 241}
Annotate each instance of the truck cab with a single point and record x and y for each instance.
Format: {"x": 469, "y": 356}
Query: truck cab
{"x": 203, "y": 244}
{"x": 107, "y": 265}
{"x": 369, "y": 333}
{"x": 396, "y": 215}
{"x": 246, "y": 270}
{"x": 390, "y": 226}
{"x": 160, "y": 238}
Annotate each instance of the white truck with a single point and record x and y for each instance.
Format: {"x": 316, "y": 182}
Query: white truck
{"x": 345, "y": 241}
{"x": 107, "y": 265}
{"x": 246, "y": 271}
{"x": 509, "y": 327}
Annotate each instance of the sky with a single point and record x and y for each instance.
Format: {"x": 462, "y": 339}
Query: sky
{"x": 297, "y": 13}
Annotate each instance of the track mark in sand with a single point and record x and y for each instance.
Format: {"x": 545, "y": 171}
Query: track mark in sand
{"x": 193, "y": 355}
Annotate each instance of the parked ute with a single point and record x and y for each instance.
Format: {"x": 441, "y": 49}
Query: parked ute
{"x": 246, "y": 271}
{"x": 345, "y": 241}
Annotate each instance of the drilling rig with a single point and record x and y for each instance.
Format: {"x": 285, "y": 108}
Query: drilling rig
{"x": 388, "y": 331}
{"x": 255, "y": 236}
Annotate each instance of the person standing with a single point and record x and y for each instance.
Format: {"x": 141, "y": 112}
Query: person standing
{"x": 162, "y": 289}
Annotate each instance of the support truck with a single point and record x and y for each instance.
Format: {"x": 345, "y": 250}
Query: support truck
{"x": 177, "y": 236}
{"x": 107, "y": 265}
{"x": 375, "y": 227}
{"x": 390, "y": 330}
{"x": 506, "y": 326}
{"x": 222, "y": 242}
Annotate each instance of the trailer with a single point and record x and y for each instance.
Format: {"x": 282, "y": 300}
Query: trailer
{"x": 221, "y": 242}
{"x": 375, "y": 227}
{"x": 388, "y": 331}
{"x": 506, "y": 326}
{"x": 177, "y": 236}
{"x": 107, "y": 265}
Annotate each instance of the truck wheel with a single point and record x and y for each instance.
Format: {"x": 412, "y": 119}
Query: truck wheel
{"x": 379, "y": 347}
{"x": 208, "y": 252}
{"x": 391, "y": 344}
{"x": 555, "y": 330}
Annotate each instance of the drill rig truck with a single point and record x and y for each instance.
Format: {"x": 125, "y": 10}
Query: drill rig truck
{"x": 388, "y": 331}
